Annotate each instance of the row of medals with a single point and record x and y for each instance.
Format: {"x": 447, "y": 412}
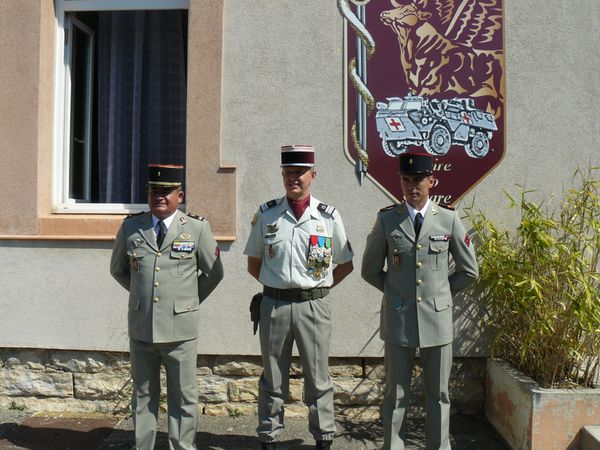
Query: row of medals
{"x": 319, "y": 256}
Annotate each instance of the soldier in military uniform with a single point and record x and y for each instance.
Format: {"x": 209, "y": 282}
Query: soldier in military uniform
{"x": 407, "y": 258}
{"x": 294, "y": 243}
{"x": 169, "y": 262}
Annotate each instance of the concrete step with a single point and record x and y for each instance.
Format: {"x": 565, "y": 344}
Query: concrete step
{"x": 590, "y": 437}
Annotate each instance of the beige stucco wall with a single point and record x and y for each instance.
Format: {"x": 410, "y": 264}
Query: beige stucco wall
{"x": 280, "y": 82}
{"x": 19, "y": 94}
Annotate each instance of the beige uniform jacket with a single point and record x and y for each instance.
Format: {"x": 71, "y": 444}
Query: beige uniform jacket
{"x": 284, "y": 244}
{"x": 165, "y": 288}
{"x": 414, "y": 276}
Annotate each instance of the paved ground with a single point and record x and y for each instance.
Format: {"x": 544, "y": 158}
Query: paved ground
{"x": 19, "y": 430}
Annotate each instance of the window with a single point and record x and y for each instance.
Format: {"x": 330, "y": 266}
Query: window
{"x": 120, "y": 100}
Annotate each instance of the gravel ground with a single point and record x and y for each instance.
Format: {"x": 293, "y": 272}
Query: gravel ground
{"x": 216, "y": 433}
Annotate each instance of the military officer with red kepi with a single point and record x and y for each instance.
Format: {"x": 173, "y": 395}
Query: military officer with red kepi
{"x": 407, "y": 258}
{"x": 298, "y": 251}
{"x": 169, "y": 262}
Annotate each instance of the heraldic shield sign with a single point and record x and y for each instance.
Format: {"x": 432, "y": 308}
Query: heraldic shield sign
{"x": 428, "y": 76}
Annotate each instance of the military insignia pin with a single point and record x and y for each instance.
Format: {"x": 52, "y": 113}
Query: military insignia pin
{"x": 185, "y": 236}
{"x": 272, "y": 228}
{"x": 134, "y": 265}
{"x": 320, "y": 228}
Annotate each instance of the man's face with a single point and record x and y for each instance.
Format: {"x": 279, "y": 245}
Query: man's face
{"x": 297, "y": 181}
{"x": 416, "y": 188}
{"x": 164, "y": 200}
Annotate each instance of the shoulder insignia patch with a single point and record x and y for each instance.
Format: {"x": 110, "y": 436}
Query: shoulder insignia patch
{"x": 194, "y": 216}
{"x": 387, "y": 208}
{"x": 447, "y": 207}
{"x": 266, "y": 206}
{"x": 133, "y": 215}
{"x": 326, "y": 208}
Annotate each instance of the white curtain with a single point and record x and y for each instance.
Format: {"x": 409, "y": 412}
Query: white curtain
{"x": 141, "y": 98}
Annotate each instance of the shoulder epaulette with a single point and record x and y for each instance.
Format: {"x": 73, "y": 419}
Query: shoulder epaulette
{"x": 387, "y": 208}
{"x": 268, "y": 205}
{"x": 133, "y": 215}
{"x": 194, "y": 216}
{"x": 447, "y": 207}
{"x": 326, "y": 208}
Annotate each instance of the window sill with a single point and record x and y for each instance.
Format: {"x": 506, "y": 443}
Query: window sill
{"x": 88, "y": 227}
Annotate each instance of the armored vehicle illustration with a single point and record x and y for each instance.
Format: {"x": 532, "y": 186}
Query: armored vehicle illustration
{"x": 434, "y": 124}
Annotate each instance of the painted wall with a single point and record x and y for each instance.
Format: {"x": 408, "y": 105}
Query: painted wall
{"x": 282, "y": 83}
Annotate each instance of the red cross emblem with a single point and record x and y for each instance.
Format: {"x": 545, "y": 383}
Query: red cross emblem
{"x": 396, "y": 125}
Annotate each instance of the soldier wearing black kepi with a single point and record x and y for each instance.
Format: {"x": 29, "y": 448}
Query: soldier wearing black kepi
{"x": 294, "y": 244}
{"x": 169, "y": 262}
{"x": 407, "y": 258}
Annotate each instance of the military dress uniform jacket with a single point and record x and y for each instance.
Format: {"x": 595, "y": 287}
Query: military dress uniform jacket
{"x": 165, "y": 288}
{"x": 290, "y": 249}
{"x": 417, "y": 287}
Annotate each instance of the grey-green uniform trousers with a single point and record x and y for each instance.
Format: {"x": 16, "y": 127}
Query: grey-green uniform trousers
{"x": 283, "y": 244}
{"x": 416, "y": 310}
{"x": 165, "y": 292}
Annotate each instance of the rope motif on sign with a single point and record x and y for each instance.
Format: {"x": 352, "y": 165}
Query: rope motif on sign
{"x": 357, "y": 73}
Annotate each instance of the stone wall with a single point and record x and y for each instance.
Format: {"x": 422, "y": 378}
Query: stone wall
{"x": 58, "y": 380}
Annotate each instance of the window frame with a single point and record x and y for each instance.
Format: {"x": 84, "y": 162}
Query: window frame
{"x": 61, "y": 204}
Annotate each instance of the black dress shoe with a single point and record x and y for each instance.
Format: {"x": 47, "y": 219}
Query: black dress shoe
{"x": 268, "y": 445}
{"x": 324, "y": 445}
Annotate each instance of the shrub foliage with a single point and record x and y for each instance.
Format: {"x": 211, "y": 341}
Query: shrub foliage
{"x": 540, "y": 284}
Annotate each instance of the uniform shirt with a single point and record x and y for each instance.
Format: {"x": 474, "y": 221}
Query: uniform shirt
{"x": 166, "y": 221}
{"x": 288, "y": 247}
{"x": 412, "y": 212}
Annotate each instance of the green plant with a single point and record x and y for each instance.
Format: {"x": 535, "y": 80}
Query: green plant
{"x": 234, "y": 412}
{"x": 14, "y": 407}
{"x": 540, "y": 283}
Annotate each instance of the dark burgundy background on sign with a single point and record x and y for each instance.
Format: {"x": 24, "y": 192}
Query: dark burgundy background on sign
{"x": 385, "y": 78}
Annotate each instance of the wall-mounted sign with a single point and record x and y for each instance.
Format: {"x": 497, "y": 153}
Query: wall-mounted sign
{"x": 424, "y": 75}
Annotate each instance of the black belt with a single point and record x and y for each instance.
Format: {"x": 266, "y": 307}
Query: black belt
{"x": 295, "y": 295}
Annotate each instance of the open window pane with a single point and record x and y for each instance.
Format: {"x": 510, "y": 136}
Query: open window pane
{"x": 126, "y": 101}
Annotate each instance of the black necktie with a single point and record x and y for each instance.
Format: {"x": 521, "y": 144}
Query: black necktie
{"x": 418, "y": 223}
{"x": 160, "y": 236}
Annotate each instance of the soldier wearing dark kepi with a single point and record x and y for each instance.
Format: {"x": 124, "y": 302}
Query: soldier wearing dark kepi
{"x": 407, "y": 257}
{"x": 298, "y": 251}
{"x": 169, "y": 262}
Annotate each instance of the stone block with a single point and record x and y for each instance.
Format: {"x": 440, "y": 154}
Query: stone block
{"x": 204, "y": 365}
{"x": 55, "y": 404}
{"x": 26, "y": 359}
{"x": 28, "y": 383}
{"x": 243, "y": 390}
{"x": 246, "y": 367}
{"x": 88, "y": 362}
{"x": 375, "y": 371}
{"x": 212, "y": 389}
{"x": 296, "y": 389}
{"x": 345, "y": 367}
{"x": 230, "y": 409}
{"x": 590, "y": 438}
{"x": 102, "y": 386}
{"x": 296, "y": 410}
{"x": 367, "y": 413}
{"x": 357, "y": 392}
{"x": 467, "y": 395}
